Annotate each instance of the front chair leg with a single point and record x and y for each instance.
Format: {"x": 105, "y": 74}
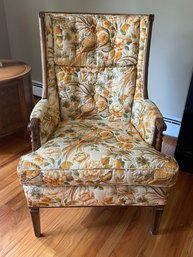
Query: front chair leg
{"x": 157, "y": 213}
{"x": 35, "y": 215}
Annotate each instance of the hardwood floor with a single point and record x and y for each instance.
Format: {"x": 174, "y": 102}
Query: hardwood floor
{"x": 82, "y": 232}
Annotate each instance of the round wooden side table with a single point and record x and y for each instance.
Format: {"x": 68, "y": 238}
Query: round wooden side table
{"x": 16, "y": 96}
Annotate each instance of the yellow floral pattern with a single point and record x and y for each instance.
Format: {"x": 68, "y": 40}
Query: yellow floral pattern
{"x": 109, "y": 49}
{"x": 144, "y": 29}
{"x": 96, "y": 128}
{"x": 86, "y": 152}
{"x": 49, "y": 118}
{"x": 96, "y": 93}
{"x": 96, "y": 40}
{"x": 95, "y": 196}
{"x": 144, "y": 115}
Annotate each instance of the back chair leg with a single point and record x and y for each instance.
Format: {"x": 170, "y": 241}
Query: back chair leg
{"x": 157, "y": 213}
{"x": 35, "y": 215}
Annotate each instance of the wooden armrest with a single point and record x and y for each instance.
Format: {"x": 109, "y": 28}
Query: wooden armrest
{"x": 33, "y": 127}
{"x": 160, "y": 126}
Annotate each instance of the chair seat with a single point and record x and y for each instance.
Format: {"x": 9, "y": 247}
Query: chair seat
{"x": 97, "y": 152}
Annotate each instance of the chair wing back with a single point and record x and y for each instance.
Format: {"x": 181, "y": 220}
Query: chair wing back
{"x": 95, "y": 65}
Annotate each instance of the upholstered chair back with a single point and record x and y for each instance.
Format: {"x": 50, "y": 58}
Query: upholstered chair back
{"x": 95, "y": 63}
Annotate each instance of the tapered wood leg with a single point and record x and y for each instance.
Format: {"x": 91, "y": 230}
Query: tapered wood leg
{"x": 35, "y": 215}
{"x": 157, "y": 214}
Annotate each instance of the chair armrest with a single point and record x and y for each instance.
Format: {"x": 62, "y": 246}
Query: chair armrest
{"x": 40, "y": 109}
{"x": 33, "y": 127}
{"x": 43, "y": 120}
{"x": 158, "y": 135}
{"x": 149, "y": 122}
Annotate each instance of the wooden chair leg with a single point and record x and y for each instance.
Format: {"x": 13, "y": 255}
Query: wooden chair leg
{"x": 157, "y": 213}
{"x": 35, "y": 215}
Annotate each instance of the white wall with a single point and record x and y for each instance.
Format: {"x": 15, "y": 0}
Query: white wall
{"x": 4, "y": 42}
{"x": 171, "y": 59}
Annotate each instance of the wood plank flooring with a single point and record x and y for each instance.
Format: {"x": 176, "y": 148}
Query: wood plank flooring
{"x": 90, "y": 232}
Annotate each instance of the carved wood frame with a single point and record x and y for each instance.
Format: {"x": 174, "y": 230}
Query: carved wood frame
{"x": 34, "y": 124}
{"x": 34, "y": 128}
{"x": 160, "y": 126}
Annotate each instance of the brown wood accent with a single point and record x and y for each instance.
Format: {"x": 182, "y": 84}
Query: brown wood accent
{"x": 157, "y": 212}
{"x": 16, "y": 97}
{"x": 158, "y": 136}
{"x": 43, "y": 54}
{"x": 35, "y": 215}
{"x": 93, "y": 13}
{"x": 11, "y": 69}
{"x": 34, "y": 128}
{"x": 101, "y": 232}
{"x": 147, "y": 53}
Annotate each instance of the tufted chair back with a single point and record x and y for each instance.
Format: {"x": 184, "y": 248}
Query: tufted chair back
{"x": 95, "y": 65}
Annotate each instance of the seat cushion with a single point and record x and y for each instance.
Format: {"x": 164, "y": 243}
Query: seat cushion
{"x": 87, "y": 152}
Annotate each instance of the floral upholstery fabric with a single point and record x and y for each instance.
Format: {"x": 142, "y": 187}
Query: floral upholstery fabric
{"x": 48, "y": 115}
{"x": 95, "y": 196}
{"x": 144, "y": 115}
{"x": 97, "y": 93}
{"x": 96, "y": 128}
{"x": 100, "y": 43}
{"x": 144, "y": 29}
{"x": 96, "y": 40}
{"x": 87, "y": 152}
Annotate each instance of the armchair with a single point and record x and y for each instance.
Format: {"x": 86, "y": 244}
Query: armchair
{"x": 96, "y": 138}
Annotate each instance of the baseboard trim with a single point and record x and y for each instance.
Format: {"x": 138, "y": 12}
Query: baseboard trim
{"x": 173, "y": 125}
{"x": 37, "y": 88}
